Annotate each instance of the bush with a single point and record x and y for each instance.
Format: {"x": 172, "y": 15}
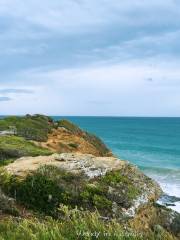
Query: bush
{"x": 73, "y": 145}
{"x": 39, "y": 193}
{"x": 116, "y": 179}
{"x": 95, "y": 196}
{"x": 44, "y": 190}
{"x": 49, "y": 186}
{"x": 6, "y": 162}
{"x": 69, "y": 126}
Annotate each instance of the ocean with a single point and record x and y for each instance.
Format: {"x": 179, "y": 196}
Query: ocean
{"x": 153, "y": 144}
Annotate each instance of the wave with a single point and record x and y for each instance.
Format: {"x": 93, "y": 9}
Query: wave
{"x": 169, "y": 180}
{"x": 160, "y": 169}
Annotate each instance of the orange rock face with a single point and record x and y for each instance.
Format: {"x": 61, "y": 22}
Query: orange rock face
{"x": 62, "y": 140}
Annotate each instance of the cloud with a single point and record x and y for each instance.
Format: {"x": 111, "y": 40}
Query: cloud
{"x": 73, "y": 15}
{"x": 112, "y": 89}
{"x": 61, "y": 34}
{"x": 90, "y": 57}
{"x": 149, "y": 79}
{"x": 5, "y": 99}
{"x": 15, "y": 91}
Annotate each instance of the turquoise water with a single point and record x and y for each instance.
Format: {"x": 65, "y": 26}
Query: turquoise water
{"x": 153, "y": 144}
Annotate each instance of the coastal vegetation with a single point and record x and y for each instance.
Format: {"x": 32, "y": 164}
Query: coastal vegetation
{"x": 49, "y": 186}
{"x": 15, "y": 147}
{"x": 30, "y": 127}
{"x": 75, "y": 225}
{"x": 68, "y": 185}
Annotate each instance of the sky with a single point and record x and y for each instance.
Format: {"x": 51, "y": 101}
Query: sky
{"x": 90, "y": 58}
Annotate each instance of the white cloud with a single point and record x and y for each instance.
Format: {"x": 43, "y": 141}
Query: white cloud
{"x": 67, "y": 15}
{"x": 93, "y": 57}
{"x": 120, "y": 89}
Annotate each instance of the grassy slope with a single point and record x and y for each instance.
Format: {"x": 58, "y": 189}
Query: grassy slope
{"x": 14, "y": 147}
{"x": 82, "y": 225}
{"x": 34, "y": 127}
{"x": 76, "y": 225}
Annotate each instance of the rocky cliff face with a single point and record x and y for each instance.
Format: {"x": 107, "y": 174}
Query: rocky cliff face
{"x": 67, "y": 138}
{"x": 76, "y": 169}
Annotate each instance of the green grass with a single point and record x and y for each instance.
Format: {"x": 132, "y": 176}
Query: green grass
{"x": 6, "y": 162}
{"x": 14, "y": 147}
{"x": 75, "y": 225}
{"x": 69, "y": 126}
{"x": 34, "y": 127}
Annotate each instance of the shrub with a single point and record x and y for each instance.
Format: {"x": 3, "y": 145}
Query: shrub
{"x": 118, "y": 188}
{"x": 73, "y": 145}
{"x": 50, "y": 186}
{"x": 5, "y": 162}
{"x": 97, "y": 143}
{"x": 69, "y": 126}
{"x": 95, "y": 196}
{"x": 43, "y": 190}
{"x": 40, "y": 193}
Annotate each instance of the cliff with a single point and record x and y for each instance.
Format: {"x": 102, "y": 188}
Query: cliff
{"x": 67, "y": 173}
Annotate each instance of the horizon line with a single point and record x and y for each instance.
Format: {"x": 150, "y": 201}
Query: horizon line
{"x": 93, "y": 116}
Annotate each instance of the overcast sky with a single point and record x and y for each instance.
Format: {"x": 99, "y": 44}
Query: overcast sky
{"x": 90, "y": 57}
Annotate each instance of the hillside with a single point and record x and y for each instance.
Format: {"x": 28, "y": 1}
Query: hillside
{"x": 66, "y": 184}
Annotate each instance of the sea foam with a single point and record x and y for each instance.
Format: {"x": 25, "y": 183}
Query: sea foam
{"x": 169, "y": 180}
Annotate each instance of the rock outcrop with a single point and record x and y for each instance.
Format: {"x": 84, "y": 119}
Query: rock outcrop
{"x": 128, "y": 188}
{"x": 86, "y": 164}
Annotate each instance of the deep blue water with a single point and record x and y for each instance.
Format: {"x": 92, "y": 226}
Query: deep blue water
{"x": 153, "y": 144}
